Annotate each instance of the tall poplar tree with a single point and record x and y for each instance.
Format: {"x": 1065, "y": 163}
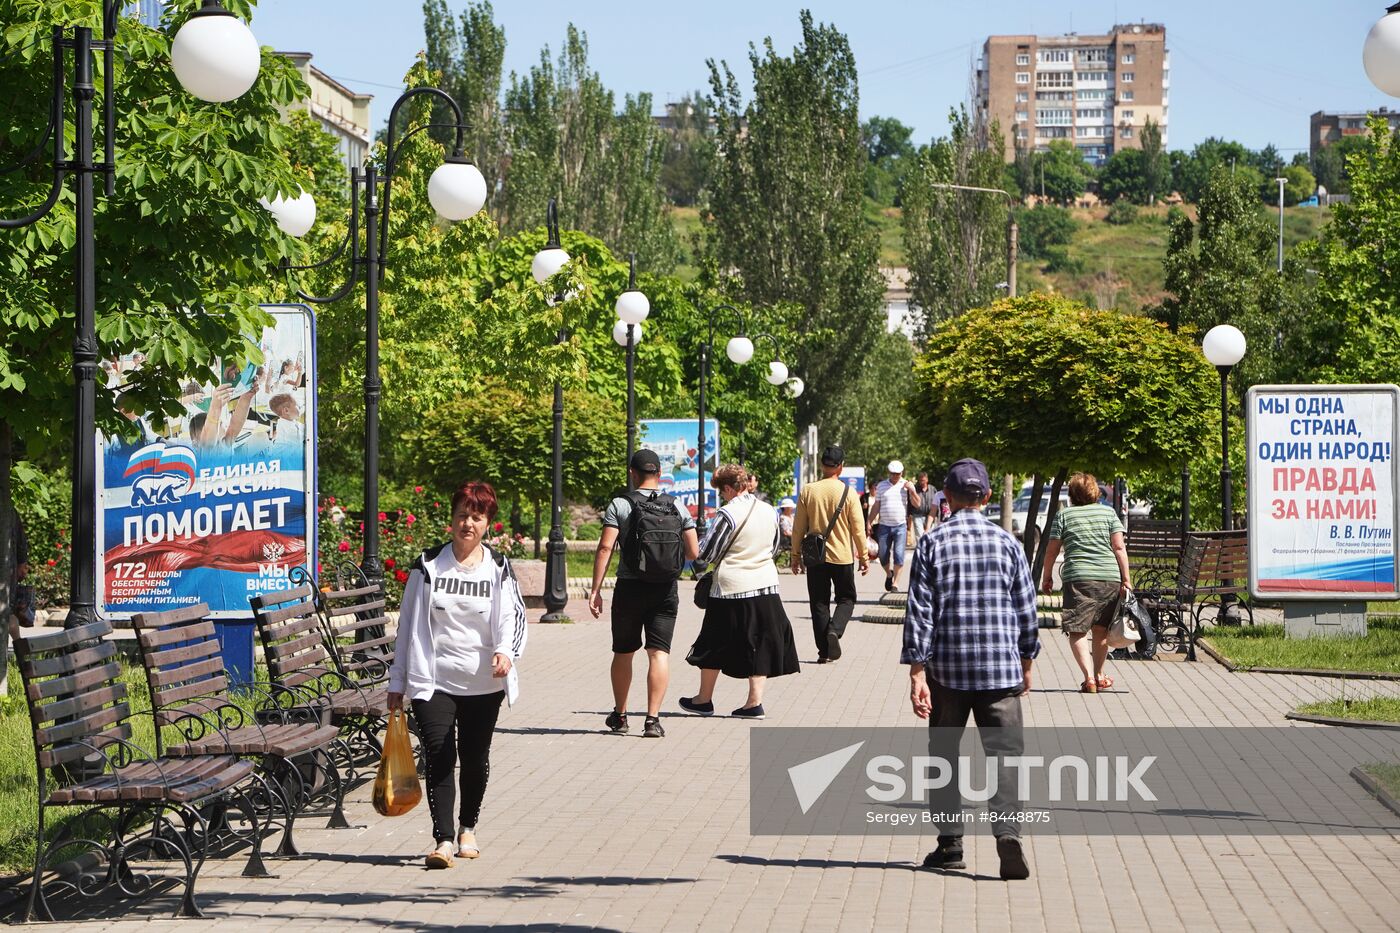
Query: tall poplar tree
{"x": 468, "y": 53}
{"x": 786, "y": 204}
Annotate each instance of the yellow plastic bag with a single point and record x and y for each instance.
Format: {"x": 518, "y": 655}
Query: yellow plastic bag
{"x": 396, "y": 787}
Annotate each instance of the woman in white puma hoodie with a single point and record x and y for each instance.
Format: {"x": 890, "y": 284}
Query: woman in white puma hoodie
{"x": 461, "y": 629}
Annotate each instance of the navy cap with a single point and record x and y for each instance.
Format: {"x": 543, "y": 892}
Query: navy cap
{"x": 833, "y": 456}
{"x": 968, "y": 478}
{"x": 645, "y": 461}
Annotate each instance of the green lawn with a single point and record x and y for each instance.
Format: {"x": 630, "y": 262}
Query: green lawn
{"x": 1388, "y": 776}
{"x": 1376, "y": 709}
{"x": 1254, "y": 646}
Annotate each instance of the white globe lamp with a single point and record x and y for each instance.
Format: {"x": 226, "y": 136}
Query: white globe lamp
{"x": 456, "y": 189}
{"x": 214, "y": 55}
{"x": 1223, "y": 345}
{"x": 1380, "y": 54}
{"x": 620, "y": 333}
{"x": 547, "y": 262}
{"x": 777, "y": 373}
{"x": 795, "y": 386}
{"x": 294, "y": 216}
{"x": 739, "y": 349}
{"x": 633, "y": 307}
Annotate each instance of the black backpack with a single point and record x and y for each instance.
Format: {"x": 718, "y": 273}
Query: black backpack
{"x": 652, "y": 546}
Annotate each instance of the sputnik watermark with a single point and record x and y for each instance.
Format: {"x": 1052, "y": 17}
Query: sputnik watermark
{"x": 1116, "y": 779}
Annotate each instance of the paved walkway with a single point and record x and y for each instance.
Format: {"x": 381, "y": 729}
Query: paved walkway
{"x": 584, "y": 830}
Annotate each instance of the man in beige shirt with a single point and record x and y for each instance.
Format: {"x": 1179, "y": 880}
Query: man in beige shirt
{"x": 817, "y": 503}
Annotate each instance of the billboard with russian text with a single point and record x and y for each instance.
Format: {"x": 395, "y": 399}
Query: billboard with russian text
{"x": 216, "y": 504}
{"x": 1323, "y": 491}
{"x": 674, "y": 441}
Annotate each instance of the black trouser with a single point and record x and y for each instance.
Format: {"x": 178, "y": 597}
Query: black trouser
{"x": 473, "y": 719}
{"x": 828, "y": 626}
{"x": 999, "y": 725}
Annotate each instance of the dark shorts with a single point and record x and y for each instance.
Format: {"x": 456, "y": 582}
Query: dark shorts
{"x": 1089, "y": 603}
{"x": 639, "y": 606}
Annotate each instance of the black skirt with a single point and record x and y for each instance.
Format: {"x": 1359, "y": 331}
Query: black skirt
{"x": 749, "y": 637}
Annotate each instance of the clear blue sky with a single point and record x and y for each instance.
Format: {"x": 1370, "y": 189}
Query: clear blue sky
{"x": 1241, "y": 69}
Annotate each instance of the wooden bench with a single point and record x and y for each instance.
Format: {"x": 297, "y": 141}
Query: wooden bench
{"x": 355, "y": 626}
{"x": 1154, "y": 552}
{"x": 119, "y": 837}
{"x": 1222, "y": 582}
{"x": 190, "y": 698}
{"x": 294, "y": 646}
{"x": 1213, "y": 572}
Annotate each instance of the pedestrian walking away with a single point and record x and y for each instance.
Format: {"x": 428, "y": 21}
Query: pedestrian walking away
{"x": 888, "y": 517}
{"x": 746, "y": 632}
{"x": 1094, "y": 576}
{"x": 829, "y": 541}
{"x": 461, "y": 630}
{"x": 787, "y": 511}
{"x": 970, "y": 640}
{"x": 656, "y": 536}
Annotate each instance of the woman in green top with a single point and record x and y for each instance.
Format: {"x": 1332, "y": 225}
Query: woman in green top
{"x": 1095, "y": 575}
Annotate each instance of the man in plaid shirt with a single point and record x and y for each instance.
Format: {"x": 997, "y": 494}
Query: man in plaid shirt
{"x": 970, "y": 638}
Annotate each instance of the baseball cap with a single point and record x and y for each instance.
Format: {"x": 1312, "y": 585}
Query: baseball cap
{"x": 645, "y": 461}
{"x": 896, "y": 467}
{"x": 787, "y": 503}
{"x": 968, "y": 478}
{"x": 833, "y": 456}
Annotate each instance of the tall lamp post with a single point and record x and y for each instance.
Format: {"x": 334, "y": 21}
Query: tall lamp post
{"x": 1223, "y": 347}
{"x": 548, "y": 262}
{"x": 632, "y": 309}
{"x": 216, "y": 59}
{"x": 1008, "y": 482}
{"x": 739, "y": 349}
{"x": 456, "y": 191}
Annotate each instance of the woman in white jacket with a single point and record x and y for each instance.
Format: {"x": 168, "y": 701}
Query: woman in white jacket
{"x": 461, "y": 629}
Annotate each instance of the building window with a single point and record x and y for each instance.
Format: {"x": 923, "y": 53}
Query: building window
{"x": 1023, "y": 58}
{"x": 1054, "y": 79}
{"x": 1093, "y": 76}
{"x": 1052, "y": 55}
{"x": 1052, "y": 117}
{"x": 1125, "y": 114}
{"x": 1091, "y": 114}
{"x": 1021, "y": 116}
{"x": 1126, "y": 96}
{"x": 1093, "y": 56}
{"x": 1128, "y": 58}
{"x": 1093, "y": 95}
{"x": 1023, "y": 77}
{"x": 1126, "y": 77}
{"x": 1022, "y": 97}
{"x": 1127, "y": 132}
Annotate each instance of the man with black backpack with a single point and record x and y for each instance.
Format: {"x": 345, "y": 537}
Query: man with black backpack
{"x": 657, "y": 537}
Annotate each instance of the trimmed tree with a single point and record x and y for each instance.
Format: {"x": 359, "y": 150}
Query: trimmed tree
{"x": 1042, "y": 385}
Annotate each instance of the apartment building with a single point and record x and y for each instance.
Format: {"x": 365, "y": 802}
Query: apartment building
{"x": 1095, "y": 91}
{"x": 1326, "y": 127}
{"x": 341, "y": 112}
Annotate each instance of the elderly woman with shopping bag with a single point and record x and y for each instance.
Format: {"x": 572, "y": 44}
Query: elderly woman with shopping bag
{"x": 461, "y": 630}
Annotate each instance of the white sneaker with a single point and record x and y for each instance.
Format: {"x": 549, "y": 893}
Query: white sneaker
{"x": 440, "y": 857}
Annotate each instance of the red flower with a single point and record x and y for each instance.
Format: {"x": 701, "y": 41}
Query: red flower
{"x": 400, "y": 576}
{"x": 382, "y": 516}
{"x": 408, "y": 537}
{"x": 417, "y": 488}
{"x": 320, "y": 509}
{"x": 318, "y": 567}
{"x": 344, "y": 546}
{"x": 63, "y": 532}
{"x": 330, "y": 500}
{"x": 437, "y": 505}
{"x": 497, "y": 527}
{"x": 51, "y": 562}
{"x": 362, "y": 526}
{"x": 58, "y": 546}
{"x": 410, "y": 518}
{"x": 388, "y": 563}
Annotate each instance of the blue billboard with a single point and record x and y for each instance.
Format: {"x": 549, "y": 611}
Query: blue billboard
{"x": 674, "y": 441}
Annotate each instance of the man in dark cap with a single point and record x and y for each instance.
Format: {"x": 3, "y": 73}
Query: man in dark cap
{"x": 970, "y": 638}
{"x": 645, "y": 599}
{"x": 828, "y": 539}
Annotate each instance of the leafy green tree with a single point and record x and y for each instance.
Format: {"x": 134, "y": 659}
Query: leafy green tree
{"x": 1064, "y": 173}
{"x": 955, "y": 240}
{"x": 1221, "y": 270}
{"x": 1191, "y": 173}
{"x": 468, "y": 54}
{"x": 787, "y": 204}
{"x": 691, "y": 150}
{"x": 1041, "y": 384}
{"x": 1042, "y": 228}
{"x": 1155, "y": 170}
{"x": 183, "y": 248}
{"x": 889, "y": 153}
{"x": 567, "y": 140}
{"x": 875, "y": 424}
{"x": 1300, "y": 184}
{"x": 1352, "y": 333}
{"x": 1122, "y": 177}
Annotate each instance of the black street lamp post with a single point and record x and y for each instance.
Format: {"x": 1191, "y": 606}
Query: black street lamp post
{"x": 456, "y": 191}
{"x": 210, "y": 56}
{"x": 632, "y": 309}
{"x": 1223, "y": 346}
{"x": 546, "y": 263}
{"x": 739, "y": 349}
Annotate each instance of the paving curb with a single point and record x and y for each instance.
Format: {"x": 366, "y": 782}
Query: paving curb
{"x": 883, "y": 615}
{"x": 1232, "y": 667}
{"x": 1345, "y": 723}
{"x": 1374, "y": 788}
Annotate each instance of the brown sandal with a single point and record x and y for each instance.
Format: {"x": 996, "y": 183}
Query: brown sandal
{"x": 1088, "y": 687}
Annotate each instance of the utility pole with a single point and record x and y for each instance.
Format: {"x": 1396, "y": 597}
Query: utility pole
{"x": 1281, "y": 182}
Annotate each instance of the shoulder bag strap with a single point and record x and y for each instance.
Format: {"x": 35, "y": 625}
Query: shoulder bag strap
{"x": 831, "y": 525}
